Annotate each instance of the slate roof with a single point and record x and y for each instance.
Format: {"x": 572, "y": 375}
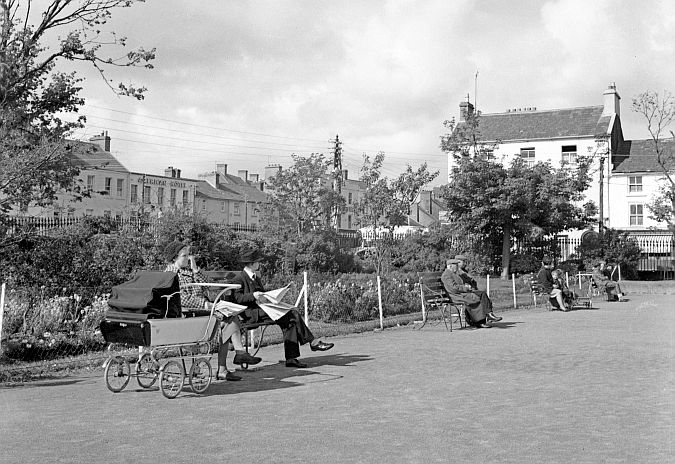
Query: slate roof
{"x": 640, "y": 156}
{"x": 90, "y": 156}
{"x": 207, "y": 190}
{"x": 544, "y": 124}
{"x": 239, "y": 186}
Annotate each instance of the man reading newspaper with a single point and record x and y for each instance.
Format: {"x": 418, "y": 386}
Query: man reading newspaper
{"x": 264, "y": 306}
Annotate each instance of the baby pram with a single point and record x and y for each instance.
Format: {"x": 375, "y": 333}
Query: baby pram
{"x": 146, "y": 312}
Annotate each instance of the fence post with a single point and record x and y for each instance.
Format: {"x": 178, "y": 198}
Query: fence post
{"x": 579, "y": 279}
{"x": 2, "y": 310}
{"x": 487, "y": 284}
{"x": 513, "y": 284}
{"x": 306, "y": 288}
{"x": 379, "y": 301}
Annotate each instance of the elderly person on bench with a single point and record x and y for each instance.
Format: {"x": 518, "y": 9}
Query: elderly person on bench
{"x": 477, "y": 306}
{"x": 182, "y": 262}
{"x": 609, "y": 286}
{"x": 295, "y": 331}
{"x": 473, "y": 285}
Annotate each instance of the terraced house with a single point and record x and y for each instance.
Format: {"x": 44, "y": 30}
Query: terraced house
{"x": 626, "y": 176}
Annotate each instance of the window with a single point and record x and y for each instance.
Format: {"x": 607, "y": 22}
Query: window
{"x": 349, "y": 221}
{"x": 569, "y": 154}
{"x": 90, "y": 182}
{"x": 634, "y": 184}
{"x": 203, "y": 205}
{"x": 108, "y": 185}
{"x": 527, "y": 154}
{"x": 349, "y": 199}
{"x": 254, "y": 210}
{"x": 185, "y": 197}
{"x": 236, "y": 209}
{"x": 146, "y": 195}
{"x": 636, "y": 217}
{"x": 222, "y": 206}
{"x": 172, "y": 199}
{"x": 134, "y": 194}
{"x": 160, "y": 195}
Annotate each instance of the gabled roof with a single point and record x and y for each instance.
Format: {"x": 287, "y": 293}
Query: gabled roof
{"x": 207, "y": 190}
{"x": 547, "y": 124}
{"x": 90, "y": 156}
{"x": 241, "y": 187}
{"x": 640, "y": 156}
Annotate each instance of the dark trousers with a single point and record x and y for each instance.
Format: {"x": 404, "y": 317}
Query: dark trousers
{"x": 293, "y": 327}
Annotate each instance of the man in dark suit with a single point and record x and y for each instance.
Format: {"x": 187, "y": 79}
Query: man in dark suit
{"x": 295, "y": 331}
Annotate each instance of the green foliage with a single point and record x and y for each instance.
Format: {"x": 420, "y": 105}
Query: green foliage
{"x": 35, "y": 162}
{"x": 614, "y": 247}
{"x": 524, "y": 264}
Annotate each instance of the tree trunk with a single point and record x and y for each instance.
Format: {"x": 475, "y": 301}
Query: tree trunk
{"x": 506, "y": 251}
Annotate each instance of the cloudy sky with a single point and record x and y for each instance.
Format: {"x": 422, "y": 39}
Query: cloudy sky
{"x": 248, "y": 83}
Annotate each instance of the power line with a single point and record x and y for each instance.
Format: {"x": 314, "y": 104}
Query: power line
{"x": 202, "y": 125}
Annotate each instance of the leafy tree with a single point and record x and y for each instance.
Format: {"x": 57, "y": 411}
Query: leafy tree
{"x": 659, "y": 111}
{"x": 35, "y": 96}
{"x": 303, "y": 196}
{"x": 387, "y": 204}
{"x": 497, "y": 204}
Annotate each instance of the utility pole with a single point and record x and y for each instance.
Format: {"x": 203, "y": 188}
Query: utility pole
{"x": 337, "y": 177}
{"x": 601, "y": 218}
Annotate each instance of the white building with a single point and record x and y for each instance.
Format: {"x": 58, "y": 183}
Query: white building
{"x": 629, "y": 173}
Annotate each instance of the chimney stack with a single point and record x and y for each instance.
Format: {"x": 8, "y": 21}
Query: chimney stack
{"x": 172, "y": 172}
{"x": 221, "y": 168}
{"x": 465, "y": 110}
{"x": 254, "y": 177}
{"x": 611, "y": 100}
{"x": 102, "y": 141}
{"x": 243, "y": 173}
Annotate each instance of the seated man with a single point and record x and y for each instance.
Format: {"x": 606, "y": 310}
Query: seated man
{"x": 295, "y": 331}
{"x": 545, "y": 280}
{"x": 477, "y": 307}
{"x": 604, "y": 283}
{"x": 473, "y": 286}
{"x": 182, "y": 262}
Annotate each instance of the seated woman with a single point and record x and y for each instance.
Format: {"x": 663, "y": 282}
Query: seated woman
{"x": 604, "y": 283}
{"x": 182, "y": 262}
{"x": 545, "y": 280}
{"x": 568, "y": 295}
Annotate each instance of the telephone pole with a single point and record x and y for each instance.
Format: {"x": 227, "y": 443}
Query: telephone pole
{"x": 337, "y": 178}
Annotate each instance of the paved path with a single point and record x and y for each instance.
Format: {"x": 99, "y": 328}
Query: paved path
{"x": 590, "y": 386}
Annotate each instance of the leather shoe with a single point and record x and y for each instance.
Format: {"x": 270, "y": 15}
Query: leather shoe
{"x": 321, "y": 346}
{"x": 228, "y": 376}
{"x": 293, "y": 362}
{"x": 484, "y": 326}
{"x": 492, "y": 318}
{"x": 245, "y": 358}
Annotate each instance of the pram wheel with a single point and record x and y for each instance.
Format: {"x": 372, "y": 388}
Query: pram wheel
{"x": 200, "y": 375}
{"x": 147, "y": 370}
{"x": 171, "y": 379}
{"x": 117, "y": 374}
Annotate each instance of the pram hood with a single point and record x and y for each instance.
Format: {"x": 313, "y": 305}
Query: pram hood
{"x": 143, "y": 294}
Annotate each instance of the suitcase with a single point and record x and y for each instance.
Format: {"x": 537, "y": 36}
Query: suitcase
{"x": 126, "y": 328}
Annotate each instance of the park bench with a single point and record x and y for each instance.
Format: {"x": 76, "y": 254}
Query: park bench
{"x": 224, "y": 276}
{"x": 435, "y": 297}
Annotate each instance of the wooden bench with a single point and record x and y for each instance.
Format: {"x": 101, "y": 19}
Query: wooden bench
{"x": 434, "y": 296}
{"x": 224, "y": 276}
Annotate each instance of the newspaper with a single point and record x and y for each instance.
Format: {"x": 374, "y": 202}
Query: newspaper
{"x": 271, "y": 303}
{"x": 228, "y": 309}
